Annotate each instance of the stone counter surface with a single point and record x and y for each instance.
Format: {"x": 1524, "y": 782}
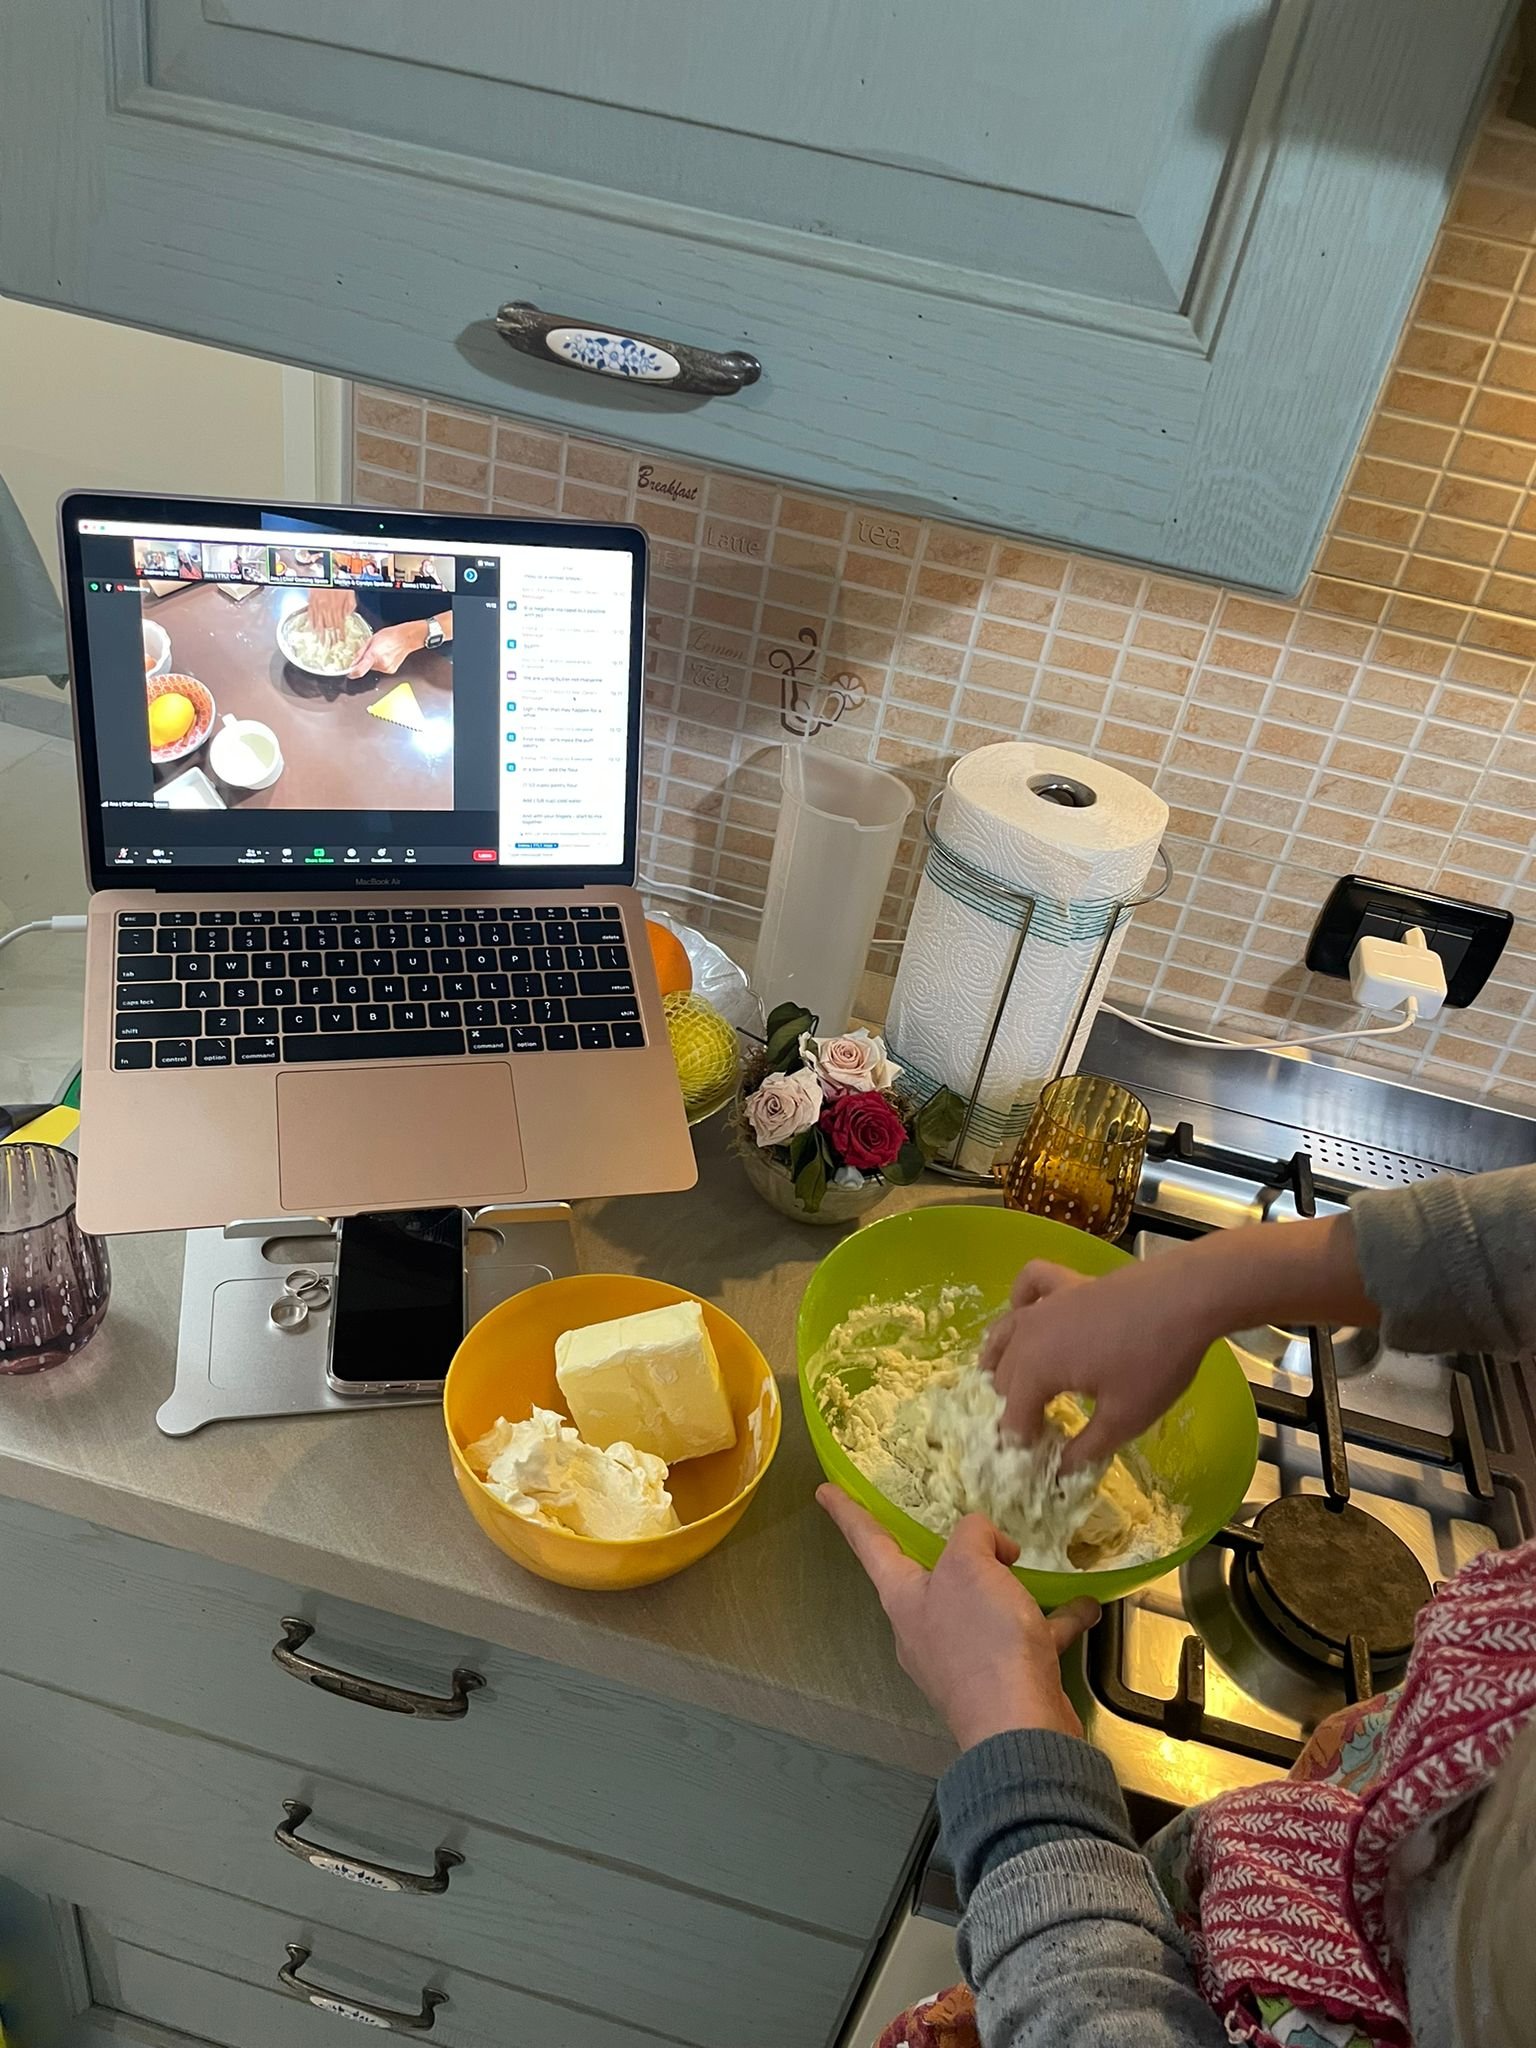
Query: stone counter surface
{"x": 778, "y": 1626}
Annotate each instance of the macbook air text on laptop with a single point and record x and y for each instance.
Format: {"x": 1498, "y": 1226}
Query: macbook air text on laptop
{"x": 361, "y": 797}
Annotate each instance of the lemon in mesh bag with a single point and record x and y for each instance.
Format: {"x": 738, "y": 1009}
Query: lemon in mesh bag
{"x": 704, "y": 1052}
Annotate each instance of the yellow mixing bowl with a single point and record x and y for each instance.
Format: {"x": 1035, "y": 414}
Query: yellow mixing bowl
{"x": 506, "y": 1366}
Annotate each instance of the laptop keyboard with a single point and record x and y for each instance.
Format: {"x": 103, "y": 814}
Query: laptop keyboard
{"x": 221, "y": 988}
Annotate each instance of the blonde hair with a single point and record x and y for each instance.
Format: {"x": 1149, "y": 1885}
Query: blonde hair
{"x": 1495, "y": 1927}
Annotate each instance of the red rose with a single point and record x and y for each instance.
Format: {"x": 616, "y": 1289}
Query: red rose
{"x": 865, "y": 1131}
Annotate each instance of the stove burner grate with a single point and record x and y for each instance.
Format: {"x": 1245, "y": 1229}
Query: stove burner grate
{"x": 1326, "y": 1577}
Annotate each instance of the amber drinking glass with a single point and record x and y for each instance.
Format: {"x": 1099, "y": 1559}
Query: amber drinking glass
{"x": 1080, "y": 1160}
{"x": 54, "y": 1279}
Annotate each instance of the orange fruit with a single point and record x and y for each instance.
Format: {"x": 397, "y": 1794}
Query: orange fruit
{"x": 672, "y": 968}
{"x": 171, "y": 717}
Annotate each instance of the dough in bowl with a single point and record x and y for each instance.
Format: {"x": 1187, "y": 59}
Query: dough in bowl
{"x": 902, "y": 1392}
{"x": 324, "y": 654}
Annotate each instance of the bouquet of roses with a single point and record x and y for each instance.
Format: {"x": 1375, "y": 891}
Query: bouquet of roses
{"x": 833, "y": 1111}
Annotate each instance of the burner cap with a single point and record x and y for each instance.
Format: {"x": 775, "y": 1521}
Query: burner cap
{"x": 1322, "y": 1574}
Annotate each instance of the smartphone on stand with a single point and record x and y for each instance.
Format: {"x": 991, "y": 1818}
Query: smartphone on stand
{"x": 397, "y": 1311}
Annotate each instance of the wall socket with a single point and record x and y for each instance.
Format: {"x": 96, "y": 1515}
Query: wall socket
{"x": 1469, "y": 937}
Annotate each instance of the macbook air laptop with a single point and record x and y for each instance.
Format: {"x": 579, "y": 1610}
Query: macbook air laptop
{"x": 361, "y": 797}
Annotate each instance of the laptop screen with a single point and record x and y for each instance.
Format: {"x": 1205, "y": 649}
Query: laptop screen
{"x": 291, "y": 695}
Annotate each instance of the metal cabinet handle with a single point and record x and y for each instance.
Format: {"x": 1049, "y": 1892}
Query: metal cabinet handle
{"x": 636, "y": 358}
{"x": 356, "y": 2008}
{"x": 381, "y": 1877}
{"x": 371, "y": 1692}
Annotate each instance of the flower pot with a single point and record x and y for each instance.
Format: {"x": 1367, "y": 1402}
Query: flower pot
{"x": 838, "y": 1205}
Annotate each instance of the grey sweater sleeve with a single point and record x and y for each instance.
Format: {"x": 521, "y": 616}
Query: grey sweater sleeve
{"x": 1451, "y": 1262}
{"x": 1067, "y": 1940}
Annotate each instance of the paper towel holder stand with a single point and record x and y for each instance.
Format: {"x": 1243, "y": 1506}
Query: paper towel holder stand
{"x": 1001, "y": 900}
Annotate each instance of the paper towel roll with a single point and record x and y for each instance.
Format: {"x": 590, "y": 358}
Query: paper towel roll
{"x": 1080, "y": 853}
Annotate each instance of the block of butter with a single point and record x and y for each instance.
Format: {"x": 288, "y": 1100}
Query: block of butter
{"x": 651, "y": 1380}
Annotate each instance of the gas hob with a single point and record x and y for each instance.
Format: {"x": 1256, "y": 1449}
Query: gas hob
{"x": 1379, "y": 1473}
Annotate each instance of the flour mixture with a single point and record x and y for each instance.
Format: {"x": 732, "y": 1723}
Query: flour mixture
{"x": 901, "y": 1390}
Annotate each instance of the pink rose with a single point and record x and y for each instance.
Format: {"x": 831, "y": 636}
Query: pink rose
{"x": 853, "y": 1064}
{"x": 864, "y": 1130}
{"x": 782, "y": 1107}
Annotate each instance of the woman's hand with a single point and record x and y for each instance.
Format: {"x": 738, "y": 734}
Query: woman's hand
{"x": 329, "y": 610}
{"x": 1131, "y": 1341}
{"x": 1134, "y": 1340}
{"x": 967, "y": 1633}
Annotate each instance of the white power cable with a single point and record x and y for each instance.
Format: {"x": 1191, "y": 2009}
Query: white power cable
{"x": 1176, "y": 1035}
{"x": 42, "y": 924}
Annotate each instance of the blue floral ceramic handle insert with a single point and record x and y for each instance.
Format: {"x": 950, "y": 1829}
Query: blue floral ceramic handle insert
{"x": 634, "y": 358}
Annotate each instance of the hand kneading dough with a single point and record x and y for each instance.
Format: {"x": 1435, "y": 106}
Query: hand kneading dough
{"x": 901, "y": 1390}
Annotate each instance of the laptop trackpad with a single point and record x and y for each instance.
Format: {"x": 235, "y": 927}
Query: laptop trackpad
{"x": 397, "y": 1137}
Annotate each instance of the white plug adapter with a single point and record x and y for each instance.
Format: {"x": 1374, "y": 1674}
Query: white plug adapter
{"x": 1385, "y": 973}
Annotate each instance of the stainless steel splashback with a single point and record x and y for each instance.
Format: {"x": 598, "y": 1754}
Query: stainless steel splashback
{"x": 1361, "y": 1128}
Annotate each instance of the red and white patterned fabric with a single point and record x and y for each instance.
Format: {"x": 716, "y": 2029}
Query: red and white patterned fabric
{"x": 1287, "y": 1883}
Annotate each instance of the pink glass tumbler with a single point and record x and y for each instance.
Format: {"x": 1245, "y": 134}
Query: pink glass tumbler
{"x": 54, "y": 1279}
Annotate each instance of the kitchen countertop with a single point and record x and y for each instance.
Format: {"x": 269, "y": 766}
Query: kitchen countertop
{"x": 778, "y": 1626}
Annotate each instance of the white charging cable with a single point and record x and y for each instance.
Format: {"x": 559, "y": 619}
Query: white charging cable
{"x": 42, "y": 924}
{"x": 1384, "y": 974}
{"x": 1176, "y": 1036}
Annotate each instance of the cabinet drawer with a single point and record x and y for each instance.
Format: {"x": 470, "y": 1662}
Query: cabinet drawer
{"x": 244, "y": 2010}
{"x": 546, "y": 1920}
{"x": 728, "y": 1809}
{"x": 161, "y": 1953}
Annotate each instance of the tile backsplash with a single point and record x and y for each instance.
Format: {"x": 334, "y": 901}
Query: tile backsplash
{"x": 1383, "y": 723}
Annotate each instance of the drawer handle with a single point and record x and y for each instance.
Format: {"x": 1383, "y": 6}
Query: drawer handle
{"x": 634, "y": 358}
{"x": 356, "y": 2008}
{"x": 371, "y": 1692}
{"x": 380, "y": 1877}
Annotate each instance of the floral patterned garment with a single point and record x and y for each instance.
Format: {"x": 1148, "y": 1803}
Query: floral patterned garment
{"x": 1282, "y": 1887}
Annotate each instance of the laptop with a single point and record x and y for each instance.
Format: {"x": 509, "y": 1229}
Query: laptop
{"x": 360, "y": 794}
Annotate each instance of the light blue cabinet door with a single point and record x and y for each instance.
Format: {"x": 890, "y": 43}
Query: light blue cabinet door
{"x": 1121, "y": 275}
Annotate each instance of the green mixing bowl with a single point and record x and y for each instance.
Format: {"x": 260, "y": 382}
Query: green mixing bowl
{"x": 1202, "y": 1452}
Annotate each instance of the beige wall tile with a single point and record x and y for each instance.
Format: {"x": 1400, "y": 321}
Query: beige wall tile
{"x": 379, "y": 451}
{"x": 380, "y": 487}
{"x": 1462, "y": 307}
{"x": 1026, "y": 643}
{"x": 1462, "y": 497}
{"x": 1485, "y": 455}
{"x": 524, "y": 490}
{"x": 436, "y": 498}
{"x": 1102, "y": 622}
{"x": 586, "y": 501}
{"x": 1165, "y": 636}
{"x": 1409, "y": 440}
{"x": 468, "y": 432}
{"x": 1175, "y": 600}
{"x": 1351, "y": 600}
{"x": 527, "y": 447}
{"x": 1442, "y": 354}
{"x": 1041, "y": 567}
{"x": 1015, "y": 601}
{"x": 1477, "y": 261}
{"x": 463, "y": 472}
{"x": 1393, "y": 483}
{"x": 1361, "y": 561}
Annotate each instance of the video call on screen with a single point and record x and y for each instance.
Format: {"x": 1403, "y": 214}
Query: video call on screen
{"x": 286, "y": 700}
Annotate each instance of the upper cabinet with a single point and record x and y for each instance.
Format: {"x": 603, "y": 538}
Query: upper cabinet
{"x": 1121, "y": 273}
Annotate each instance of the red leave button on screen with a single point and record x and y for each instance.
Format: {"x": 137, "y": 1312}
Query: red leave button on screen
{"x": 485, "y": 853}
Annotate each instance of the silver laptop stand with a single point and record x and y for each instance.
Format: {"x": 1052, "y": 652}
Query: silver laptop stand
{"x": 243, "y": 1348}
